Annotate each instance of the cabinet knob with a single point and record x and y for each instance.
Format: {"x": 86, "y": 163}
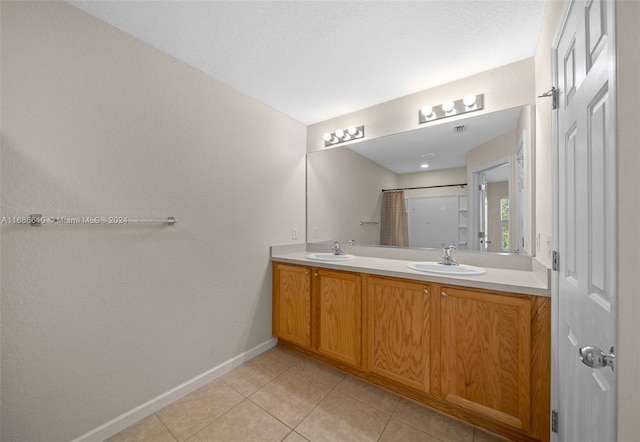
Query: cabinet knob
{"x": 306, "y": 272}
{"x": 315, "y": 274}
{"x": 443, "y": 293}
{"x": 425, "y": 291}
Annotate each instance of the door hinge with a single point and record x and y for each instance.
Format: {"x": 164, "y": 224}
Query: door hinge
{"x": 553, "y": 93}
{"x": 554, "y": 421}
{"x": 556, "y": 261}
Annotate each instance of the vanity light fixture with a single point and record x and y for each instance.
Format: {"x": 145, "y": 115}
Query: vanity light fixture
{"x": 469, "y": 100}
{"x": 449, "y": 108}
{"x": 341, "y": 135}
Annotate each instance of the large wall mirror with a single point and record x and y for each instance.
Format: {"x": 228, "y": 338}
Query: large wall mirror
{"x": 466, "y": 182}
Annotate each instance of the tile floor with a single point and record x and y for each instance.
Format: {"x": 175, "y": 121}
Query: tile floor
{"x": 284, "y": 396}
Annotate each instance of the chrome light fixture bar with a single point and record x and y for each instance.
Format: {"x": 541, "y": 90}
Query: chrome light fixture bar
{"x": 341, "y": 136}
{"x": 450, "y": 108}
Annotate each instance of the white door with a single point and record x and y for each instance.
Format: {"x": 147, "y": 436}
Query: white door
{"x": 483, "y": 204}
{"x": 480, "y": 234}
{"x": 521, "y": 239}
{"x": 585, "y": 284}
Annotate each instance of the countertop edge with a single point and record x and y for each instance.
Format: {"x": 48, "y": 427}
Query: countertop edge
{"x": 511, "y": 281}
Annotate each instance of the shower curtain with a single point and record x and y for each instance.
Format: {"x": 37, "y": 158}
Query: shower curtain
{"x": 394, "y": 228}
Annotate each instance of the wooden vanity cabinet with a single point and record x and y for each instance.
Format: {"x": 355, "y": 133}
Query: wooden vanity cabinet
{"x": 320, "y": 310}
{"x": 338, "y": 303}
{"x": 480, "y": 355}
{"x": 483, "y": 362}
{"x": 399, "y": 330}
{"x": 292, "y": 304}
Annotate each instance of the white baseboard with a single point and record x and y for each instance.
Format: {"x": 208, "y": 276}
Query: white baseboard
{"x": 129, "y": 418}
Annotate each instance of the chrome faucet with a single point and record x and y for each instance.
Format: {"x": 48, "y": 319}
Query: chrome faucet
{"x": 336, "y": 249}
{"x": 447, "y": 260}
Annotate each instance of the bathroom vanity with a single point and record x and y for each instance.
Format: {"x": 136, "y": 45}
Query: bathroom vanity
{"x": 475, "y": 347}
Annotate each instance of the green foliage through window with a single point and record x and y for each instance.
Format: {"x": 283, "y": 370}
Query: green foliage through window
{"x": 504, "y": 219}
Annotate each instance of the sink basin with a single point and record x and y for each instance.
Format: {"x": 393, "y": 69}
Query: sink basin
{"x": 434, "y": 267}
{"x": 329, "y": 257}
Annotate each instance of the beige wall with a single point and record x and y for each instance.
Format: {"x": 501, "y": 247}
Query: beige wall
{"x": 503, "y": 88}
{"x": 503, "y": 146}
{"x": 543, "y": 80}
{"x": 526, "y": 126}
{"x": 343, "y": 189}
{"x": 442, "y": 177}
{"x": 97, "y": 320}
{"x": 628, "y": 354}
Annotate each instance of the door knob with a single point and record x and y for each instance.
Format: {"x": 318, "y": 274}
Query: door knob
{"x": 595, "y": 358}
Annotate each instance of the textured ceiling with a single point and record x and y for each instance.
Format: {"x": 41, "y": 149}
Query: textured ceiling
{"x": 315, "y": 60}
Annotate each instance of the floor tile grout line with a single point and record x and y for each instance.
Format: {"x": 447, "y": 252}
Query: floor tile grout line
{"x": 210, "y": 422}
{"x": 333, "y": 387}
{"x": 372, "y": 385}
{"x": 275, "y": 417}
{"x": 215, "y": 419}
{"x": 314, "y": 407}
{"x": 165, "y": 426}
{"x": 395, "y": 408}
{"x": 364, "y": 403}
{"x": 389, "y": 416}
{"x": 264, "y": 409}
{"x": 244, "y": 398}
{"x": 299, "y": 362}
{"x": 384, "y": 429}
{"x": 279, "y": 420}
{"x": 435, "y": 411}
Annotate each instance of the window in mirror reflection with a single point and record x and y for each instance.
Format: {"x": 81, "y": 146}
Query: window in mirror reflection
{"x": 504, "y": 220}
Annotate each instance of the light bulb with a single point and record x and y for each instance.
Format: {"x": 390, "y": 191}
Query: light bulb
{"x": 424, "y": 166}
{"x": 339, "y": 133}
{"x": 447, "y": 106}
{"x": 352, "y": 130}
{"x": 427, "y": 110}
{"x": 469, "y": 100}
{"x": 327, "y": 137}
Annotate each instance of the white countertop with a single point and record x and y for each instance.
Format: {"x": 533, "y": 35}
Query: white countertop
{"x": 512, "y": 281}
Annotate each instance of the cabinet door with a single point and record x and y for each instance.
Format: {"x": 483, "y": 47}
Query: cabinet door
{"x": 399, "y": 330}
{"x": 485, "y": 353}
{"x": 339, "y": 303}
{"x": 292, "y": 303}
